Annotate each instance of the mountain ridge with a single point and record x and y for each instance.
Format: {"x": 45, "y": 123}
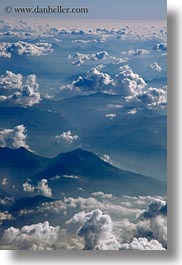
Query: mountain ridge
{"x": 81, "y": 169}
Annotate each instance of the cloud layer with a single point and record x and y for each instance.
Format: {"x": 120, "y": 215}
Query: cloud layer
{"x": 29, "y": 29}
{"x": 99, "y": 222}
{"x": 137, "y": 52}
{"x": 81, "y": 58}
{"x": 24, "y": 48}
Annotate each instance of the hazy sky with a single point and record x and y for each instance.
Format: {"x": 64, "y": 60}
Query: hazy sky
{"x": 105, "y": 9}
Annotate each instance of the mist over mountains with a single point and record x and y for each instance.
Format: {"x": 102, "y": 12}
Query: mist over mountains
{"x": 83, "y": 140}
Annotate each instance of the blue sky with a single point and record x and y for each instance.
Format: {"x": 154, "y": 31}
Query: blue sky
{"x": 107, "y": 9}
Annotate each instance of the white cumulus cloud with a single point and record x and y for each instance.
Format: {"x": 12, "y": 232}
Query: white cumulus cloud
{"x": 155, "y": 67}
{"x": 41, "y": 188}
{"x": 5, "y": 216}
{"x": 28, "y": 187}
{"x": 128, "y": 83}
{"x": 19, "y": 90}
{"x": 153, "y": 221}
{"x": 67, "y": 136}
{"x": 96, "y": 230}
{"x": 102, "y": 221}
{"x": 142, "y": 244}
{"x": 39, "y": 236}
{"x": 80, "y": 58}
{"x": 154, "y": 97}
{"x": 93, "y": 80}
{"x": 24, "y": 48}
{"x": 125, "y": 83}
{"x": 14, "y": 138}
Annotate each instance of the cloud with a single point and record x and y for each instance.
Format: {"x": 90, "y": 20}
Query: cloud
{"x": 160, "y": 47}
{"x": 41, "y": 188}
{"x": 115, "y": 106}
{"x": 153, "y": 221}
{"x": 128, "y": 83}
{"x": 24, "y": 48}
{"x": 154, "y": 228}
{"x": 155, "y": 208}
{"x": 80, "y": 58}
{"x": 107, "y": 203}
{"x": 27, "y": 187}
{"x": 102, "y": 195}
{"x": 142, "y": 244}
{"x": 70, "y": 177}
{"x": 96, "y": 36}
{"x": 5, "y": 216}
{"x": 84, "y": 41}
{"x": 125, "y": 83}
{"x": 132, "y": 111}
{"x": 110, "y": 116}
{"x": 6, "y": 200}
{"x": 145, "y": 234}
{"x": 28, "y": 49}
{"x": 98, "y": 222}
{"x": 107, "y": 159}
{"x": 29, "y": 30}
{"x": 96, "y": 230}
{"x": 116, "y": 60}
{"x": 11, "y": 81}
{"x": 154, "y": 97}
{"x": 18, "y": 90}
{"x": 117, "y": 208}
{"x": 155, "y": 67}
{"x": 4, "y": 180}
{"x": 3, "y": 50}
{"x": 47, "y": 96}
{"x": 93, "y": 80}
{"x": 14, "y": 138}
{"x": 137, "y": 52}
{"x": 39, "y": 236}
{"x": 67, "y": 136}
{"x": 65, "y": 176}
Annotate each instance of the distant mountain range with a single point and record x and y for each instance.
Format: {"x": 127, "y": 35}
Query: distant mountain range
{"x": 135, "y": 142}
{"x": 42, "y": 126}
{"x": 73, "y": 173}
